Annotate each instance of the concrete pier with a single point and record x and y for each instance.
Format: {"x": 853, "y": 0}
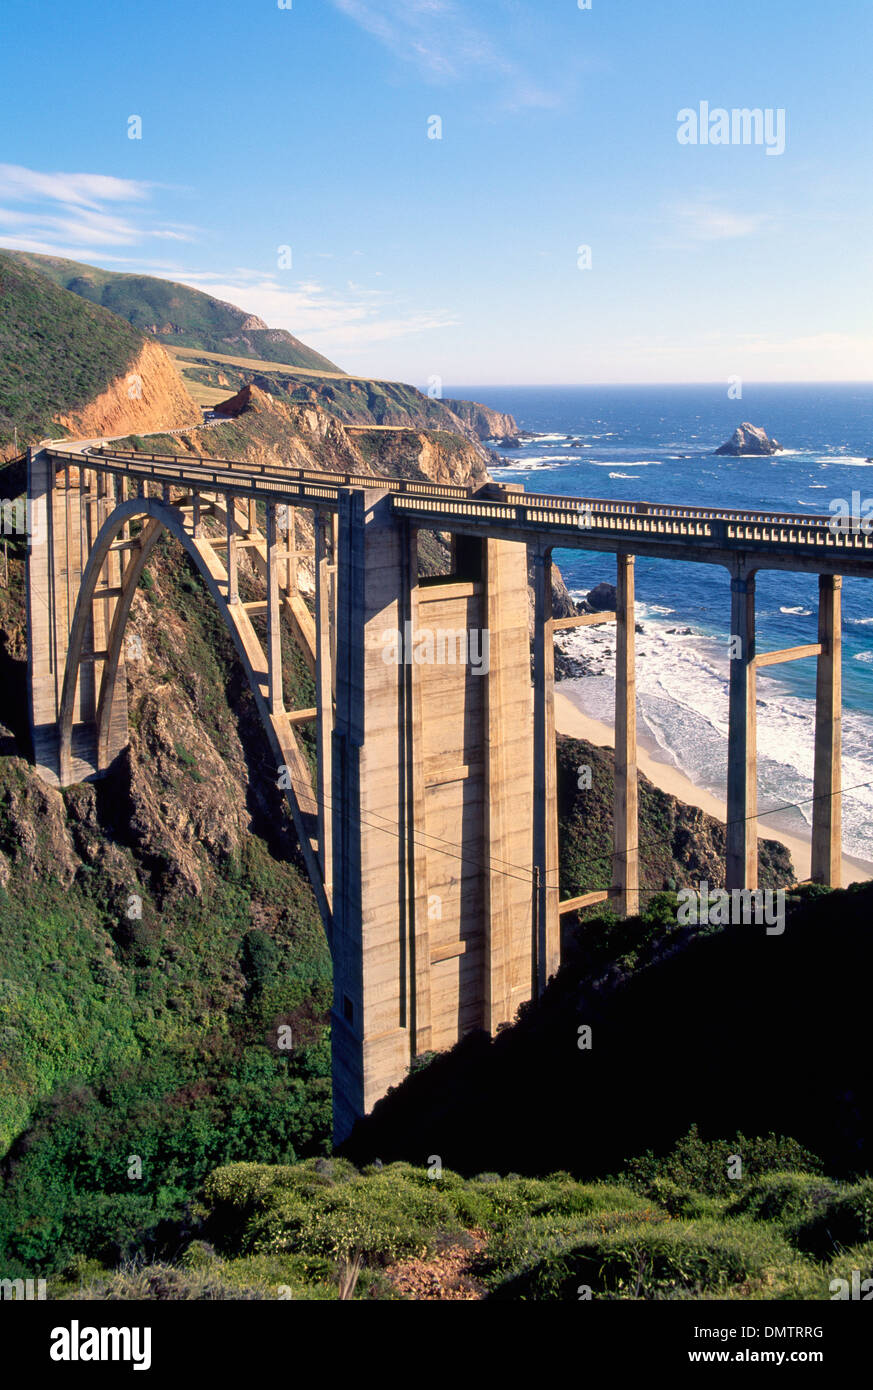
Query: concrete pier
{"x": 827, "y": 806}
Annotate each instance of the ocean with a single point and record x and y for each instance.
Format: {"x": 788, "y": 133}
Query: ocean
{"x": 656, "y": 444}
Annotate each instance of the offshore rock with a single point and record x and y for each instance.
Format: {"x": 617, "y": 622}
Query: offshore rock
{"x": 749, "y": 439}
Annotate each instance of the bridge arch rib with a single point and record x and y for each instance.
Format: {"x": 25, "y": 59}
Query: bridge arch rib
{"x": 159, "y": 517}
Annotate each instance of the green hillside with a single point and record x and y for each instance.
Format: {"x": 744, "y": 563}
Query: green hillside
{"x": 177, "y": 314}
{"x": 56, "y": 352}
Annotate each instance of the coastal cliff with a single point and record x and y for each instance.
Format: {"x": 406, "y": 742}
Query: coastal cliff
{"x": 482, "y": 420}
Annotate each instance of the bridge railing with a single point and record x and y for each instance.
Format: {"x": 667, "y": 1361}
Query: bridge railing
{"x": 299, "y": 474}
{"x": 673, "y": 523}
{"x": 611, "y": 504}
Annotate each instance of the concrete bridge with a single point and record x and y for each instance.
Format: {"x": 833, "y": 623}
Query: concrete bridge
{"x": 430, "y": 829}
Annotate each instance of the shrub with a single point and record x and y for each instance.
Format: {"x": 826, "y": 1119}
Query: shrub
{"x": 623, "y": 1255}
{"x": 785, "y": 1197}
{"x": 843, "y": 1219}
{"x": 702, "y": 1164}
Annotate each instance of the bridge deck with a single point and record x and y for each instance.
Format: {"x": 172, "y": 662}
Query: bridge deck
{"x": 706, "y": 534}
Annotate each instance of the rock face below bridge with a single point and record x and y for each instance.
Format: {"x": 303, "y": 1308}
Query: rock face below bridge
{"x": 749, "y": 439}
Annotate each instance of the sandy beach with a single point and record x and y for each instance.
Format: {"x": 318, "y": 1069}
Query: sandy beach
{"x": 569, "y": 719}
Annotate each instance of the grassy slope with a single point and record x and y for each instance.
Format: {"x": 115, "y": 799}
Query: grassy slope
{"x": 57, "y": 352}
{"x": 679, "y": 845}
{"x": 198, "y": 320}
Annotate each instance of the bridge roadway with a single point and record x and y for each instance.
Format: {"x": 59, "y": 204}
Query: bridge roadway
{"x": 712, "y": 535}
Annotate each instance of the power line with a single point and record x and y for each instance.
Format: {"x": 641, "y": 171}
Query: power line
{"x": 741, "y": 820}
{"x": 523, "y": 875}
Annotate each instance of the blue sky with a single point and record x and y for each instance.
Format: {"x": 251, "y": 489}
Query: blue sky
{"x": 457, "y": 257}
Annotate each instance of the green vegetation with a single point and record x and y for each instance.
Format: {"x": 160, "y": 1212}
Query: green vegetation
{"x": 176, "y": 314}
{"x": 261, "y": 1231}
{"x": 57, "y": 352}
{"x": 165, "y": 981}
{"x": 679, "y": 844}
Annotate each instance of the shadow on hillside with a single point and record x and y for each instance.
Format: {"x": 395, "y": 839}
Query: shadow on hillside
{"x": 15, "y": 738}
{"x": 736, "y": 1031}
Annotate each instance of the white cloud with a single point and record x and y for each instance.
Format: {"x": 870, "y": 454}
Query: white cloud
{"x": 439, "y": 38}
{"x": 333, "y": 320}
{"x": 710, "y": 220}
{"x": 77, "y": 214}
{"x": 84, "y": 190}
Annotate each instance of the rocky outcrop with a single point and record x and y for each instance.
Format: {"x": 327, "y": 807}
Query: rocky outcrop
{"x": 483, "y": 421}
{"x": 600, "y": 599}
{"x": 149, "y": 396}
{"x": 235, "y": 405}
{"x": 749, "y": 439}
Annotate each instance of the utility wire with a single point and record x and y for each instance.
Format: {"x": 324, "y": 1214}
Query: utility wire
{"x": 523, "y": 874}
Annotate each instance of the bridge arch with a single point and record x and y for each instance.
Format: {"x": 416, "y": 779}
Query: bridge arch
{"x": 160, "y": 517}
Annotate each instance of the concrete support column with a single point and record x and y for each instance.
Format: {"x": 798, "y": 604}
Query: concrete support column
{"x": 324, "y": 638}
{"x": 334, "y": 589}
{"x": 508, "y": 783}
{"x": 417, "y": 708}
{"x": 232, "y": 556}
{"x": 274, "y": 630}
{"x": 122, "y": 496}
{"x": 742, "y": 787}
{"x": 827, "y": 806}
{"x": 626, "y": 797}
{"x": 46, "y": 646}
{"x": 547, "y": 939}
{"x": 291, "y": 565}
{"x": 196, "y": 522}
{"x": 252, "y": 504}
{"x": 372, "y": 828}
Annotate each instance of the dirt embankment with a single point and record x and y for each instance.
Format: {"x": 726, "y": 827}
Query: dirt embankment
{"x": 150, "y": 395}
